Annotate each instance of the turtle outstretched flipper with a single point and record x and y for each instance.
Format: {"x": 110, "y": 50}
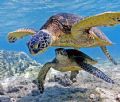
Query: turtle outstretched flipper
{"x": 41, "y": 86}
{"x": 42, "y": 75}
{"x": 103, "y": 19}
{"x": 96, "y": 72}
{"x": 106, "y": 52}
{"x": 20, "y": 33}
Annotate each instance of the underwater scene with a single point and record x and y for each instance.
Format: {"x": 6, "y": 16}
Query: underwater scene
{"x": 59, "y": 51}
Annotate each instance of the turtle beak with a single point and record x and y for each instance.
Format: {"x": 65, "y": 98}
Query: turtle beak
{"x": 30, "y": 49}
{"x": 34, "y": 49}
{"x": 32, "y": 52}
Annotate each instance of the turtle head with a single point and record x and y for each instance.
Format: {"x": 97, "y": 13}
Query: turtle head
{"x": 39, "y": 42}
{"x": 61, "y": 52}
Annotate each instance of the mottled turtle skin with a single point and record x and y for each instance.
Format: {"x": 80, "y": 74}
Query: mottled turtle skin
{"x": 71, "y": 60}
{"x": 69, "y": 30}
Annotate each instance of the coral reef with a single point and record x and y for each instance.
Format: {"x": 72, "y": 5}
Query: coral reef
{"x": 12, "y": 63}
{"x": 58, "y": 87}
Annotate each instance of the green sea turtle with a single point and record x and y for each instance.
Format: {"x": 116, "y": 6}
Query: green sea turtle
{"x": 70, "y": 60}
{"x": 69, "y": 30}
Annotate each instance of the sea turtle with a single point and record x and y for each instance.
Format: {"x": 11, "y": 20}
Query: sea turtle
{"x": 70, "y": 60}
{"x": 69, "y": 30}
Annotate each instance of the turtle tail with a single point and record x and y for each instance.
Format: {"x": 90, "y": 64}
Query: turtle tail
{"x": 106, "y": 52}
{"x": 96, "y": 72}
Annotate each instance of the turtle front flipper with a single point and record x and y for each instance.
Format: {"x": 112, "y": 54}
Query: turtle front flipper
{"x": 106, "y": 52}
{"x": 103, "y": 19}
{"x": 20, "y": 33}
{"x": 42, "y": 75}
{"x": 96, "y": 72}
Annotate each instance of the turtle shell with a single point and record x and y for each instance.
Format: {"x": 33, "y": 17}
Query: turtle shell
{"x": 60, "y": 26}
{"x": 73, "y": 53}
{"x": 64, "y": 20}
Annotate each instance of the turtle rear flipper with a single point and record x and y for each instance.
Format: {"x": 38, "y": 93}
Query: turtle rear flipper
{"x": 106, "y": 52}
{"x": 103, "y": 19}
{"x": 96, "y": 72}
{"x": 20, "y": 33}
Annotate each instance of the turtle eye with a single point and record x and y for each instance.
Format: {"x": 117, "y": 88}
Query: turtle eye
{"x": 63, "y": 52}
{"x": 39, "y": 45}
{"x": 35, "y": 46}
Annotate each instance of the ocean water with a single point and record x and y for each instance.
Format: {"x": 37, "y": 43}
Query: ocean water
{"x": 19, "y": 69}
{"x": 16, "y": 14}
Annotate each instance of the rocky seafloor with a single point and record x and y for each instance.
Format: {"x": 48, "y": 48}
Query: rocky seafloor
{"x": 18, "y": 85}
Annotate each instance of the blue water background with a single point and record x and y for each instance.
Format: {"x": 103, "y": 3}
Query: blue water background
{"x": 16, "y": 14}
